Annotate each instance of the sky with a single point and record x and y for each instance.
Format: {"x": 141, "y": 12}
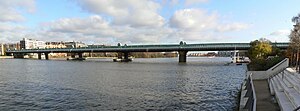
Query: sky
{"x": 147, "y": 21}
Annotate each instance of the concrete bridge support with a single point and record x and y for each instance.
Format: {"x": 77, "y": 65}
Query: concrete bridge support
{"x": 73, "y": 55}
{"x": 182, "y": 56}
{"x": 19, "y": 55}
{"x": 39, "y": 55}
{"x": 122, "y": 57}
{"x": 126, "y": 55}
{"x": 76, "y": 56}
{"x": 46, "y": 56}
{"x": 80, "y": 55}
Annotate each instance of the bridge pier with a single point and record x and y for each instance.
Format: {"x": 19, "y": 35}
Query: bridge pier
{"x": 46, "y": 56}
{"x": 126, "y": 56}
{"x": 80, "y": 55}
{"x": 122, "y": 57}
{"x": 120, "y": 54}
{"x": 39, "y": 55}
{"x": 19, "y": 55}
{"x": 73, "y": 55}
{"x": 182, "y": 56}
{"x": 76, "y": 56}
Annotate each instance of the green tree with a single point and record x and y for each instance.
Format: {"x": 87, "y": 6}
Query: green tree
{"x": 260, "y": 49}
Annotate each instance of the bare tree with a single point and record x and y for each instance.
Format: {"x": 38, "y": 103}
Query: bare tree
{"x": 296, "y": 19}
{"x": 295, "y": 39}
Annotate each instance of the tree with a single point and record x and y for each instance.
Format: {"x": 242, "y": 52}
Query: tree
{"x": 260, "y": 49}
{"x": 295, "y": 41}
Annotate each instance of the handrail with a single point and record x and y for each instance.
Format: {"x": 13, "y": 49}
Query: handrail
{"x": 297, "y": 108}
{"x": 278, "y": 64}
{"x": 251, "y": 102}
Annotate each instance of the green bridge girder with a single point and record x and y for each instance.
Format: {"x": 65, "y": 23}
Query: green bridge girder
{"x": 150, "y": 48}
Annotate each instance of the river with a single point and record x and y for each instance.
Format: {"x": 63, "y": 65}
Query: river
{"x": 100, "y": 84}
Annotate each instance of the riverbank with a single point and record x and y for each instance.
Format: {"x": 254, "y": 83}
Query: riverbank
{"x": 6, "y": 57}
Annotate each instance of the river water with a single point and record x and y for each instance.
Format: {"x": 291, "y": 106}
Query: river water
{"x": 100, "y": 84}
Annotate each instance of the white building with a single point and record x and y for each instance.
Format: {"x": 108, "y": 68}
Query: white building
{"x": 75, "y": 44}
{"x": 2, "y": 52}
{"x": 32, "y": 44}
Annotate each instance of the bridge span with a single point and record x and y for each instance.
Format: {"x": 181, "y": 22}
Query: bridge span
{"x": 124, "y": 50}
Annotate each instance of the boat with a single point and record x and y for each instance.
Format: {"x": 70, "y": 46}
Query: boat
{"x": 79, "y": 59}
{"x": 122, "y": 60}
{"x": 240, "y": 60}
{"x": 211, "y": 56}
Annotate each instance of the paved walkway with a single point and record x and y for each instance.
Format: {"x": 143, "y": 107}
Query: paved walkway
{"x": 265, "y": 101}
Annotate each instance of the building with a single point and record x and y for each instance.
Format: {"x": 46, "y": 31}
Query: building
{"x": 50, "y": 45}
{"x": 75, "y": 44}
{"x": 10, "y": 46}
{"x": 13, "y": 46}
{"x": 226, "y": 53}
{"x": 2, "y": 52}
{"x": 32, "y": 44}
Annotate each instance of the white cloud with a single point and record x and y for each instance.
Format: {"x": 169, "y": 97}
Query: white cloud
{"x": 193, "y": 19}
{"x": 189, "y": 25}
{"x": 11, "y": 33}
{"x": 190, "y": 2}
{"x": 279, "y": 35}
{"x": 95, "y": 29}
{"x": 4, "y": 27}
{"x": 134, "y": 13}
{"x": 232, "y": 27}
{"x": 283, "y": 32}
{"x": 10, "y": 9}
{"x": 125, "y": 21}
{"x": 197, "y": 24}
{"x": 78, "y": 29}
{"x": 10, "y": 14}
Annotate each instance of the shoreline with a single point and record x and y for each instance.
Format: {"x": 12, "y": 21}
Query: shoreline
{"x": 6, "y": 57}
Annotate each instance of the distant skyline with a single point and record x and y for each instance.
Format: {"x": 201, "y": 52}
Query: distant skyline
{"x": 146, "y": 21}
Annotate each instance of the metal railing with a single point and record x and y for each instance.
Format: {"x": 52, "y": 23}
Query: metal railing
{"x": 277, "y": 65}
{"x": 251, "y": 102}
{"x": 297, "y": 108}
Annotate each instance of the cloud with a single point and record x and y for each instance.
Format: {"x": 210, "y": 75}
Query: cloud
{"x": 283, "y": 32}
{"x": 10, "y": 9}
{"x": 279, "y": 35}
{"x": 78, "y": 29}
{"x": 95, "y": 29}
{"x": 125, "y": 21}
{"x": 134, "y": 13}
{"x": 190, "y": 2}
{"x": 198, "y": 24}
{"x": 10, "y": 14}
{"x": 4, "y": 27}
{"x": 10, "y": 33}
{"x": 193, "y": 19}
{"x": 187, "y": 24}
{"x": 232, "y": 27}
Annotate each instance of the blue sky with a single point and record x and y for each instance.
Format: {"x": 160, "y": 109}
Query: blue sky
{"x": 147, "y": 21}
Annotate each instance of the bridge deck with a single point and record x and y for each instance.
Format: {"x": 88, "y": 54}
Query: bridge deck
{"x": 150, "y": 48}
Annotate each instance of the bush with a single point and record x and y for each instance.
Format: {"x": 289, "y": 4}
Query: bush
{"x": 263, "y": 64}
